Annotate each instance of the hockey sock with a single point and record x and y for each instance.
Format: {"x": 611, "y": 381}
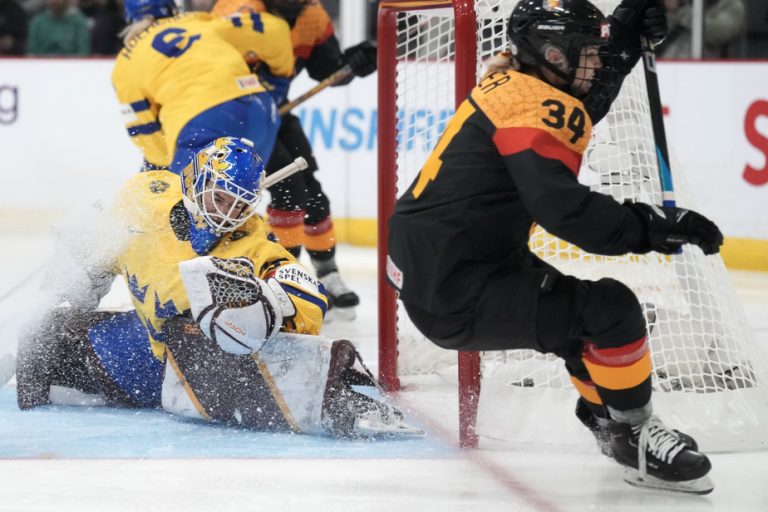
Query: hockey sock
{"x": 287, "y": 227}
{"x": 324, "y": 262}
{"x": 320, "y": 241}
{"x": 588, "y": 392}
{"x": 622, "y": 378}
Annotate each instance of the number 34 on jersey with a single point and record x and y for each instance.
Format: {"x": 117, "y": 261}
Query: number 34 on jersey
{"x": 519, "y": 113}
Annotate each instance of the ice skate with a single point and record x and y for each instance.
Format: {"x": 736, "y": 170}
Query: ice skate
{"x": 655, "y": 457}
{"x": 599, "y": 428}
{"x": 350, "y": 414}
{"x": 357, "y": 416}
{"x": 341, "y": 300}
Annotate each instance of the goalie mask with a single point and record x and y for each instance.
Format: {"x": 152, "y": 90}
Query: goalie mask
{"x": 136, "y": 10}
{"x": 557, "y": 35}
{"x": 222, "y": 185}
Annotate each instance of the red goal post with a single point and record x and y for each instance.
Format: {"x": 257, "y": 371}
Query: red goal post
{"x": 465, "y": 80}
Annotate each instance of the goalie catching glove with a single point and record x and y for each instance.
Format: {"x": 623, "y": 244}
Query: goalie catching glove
{"x": 669, "y": 228}
{"x": 234, "y": 308}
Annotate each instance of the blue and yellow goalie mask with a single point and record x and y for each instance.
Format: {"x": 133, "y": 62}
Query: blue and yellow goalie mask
{"x": 222, "y": 185}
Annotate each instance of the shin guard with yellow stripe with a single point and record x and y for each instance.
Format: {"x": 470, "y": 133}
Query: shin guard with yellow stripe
{"x": 288, "y": 227}
{"x": 612, "y": 370}
{"x": 320, "y": 237}
{"x": 621, "y": 377}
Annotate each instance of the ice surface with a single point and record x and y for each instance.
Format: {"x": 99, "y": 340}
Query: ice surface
{"x": 80, "y": 459}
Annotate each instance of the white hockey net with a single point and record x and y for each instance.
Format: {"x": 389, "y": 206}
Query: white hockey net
{"x": 708, "y": 377}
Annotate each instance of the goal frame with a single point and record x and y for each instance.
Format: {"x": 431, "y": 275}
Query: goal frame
{"x": 465, "y": 64}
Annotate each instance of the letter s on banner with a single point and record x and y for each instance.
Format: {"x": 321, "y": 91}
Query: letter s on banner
{"x": 756, "y": 110}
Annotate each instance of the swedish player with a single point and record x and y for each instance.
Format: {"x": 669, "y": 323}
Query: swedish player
{"x": 300, "y": 211}
{"x": 184, "y": 80}
{"x": 458, "y": 244}
{"x": 225, "y": 326}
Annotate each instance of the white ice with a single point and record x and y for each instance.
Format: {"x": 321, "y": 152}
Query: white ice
{"x": 80, "y": 460}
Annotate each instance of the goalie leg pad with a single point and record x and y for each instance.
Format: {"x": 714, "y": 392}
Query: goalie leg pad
{"x": 223, "y": 387}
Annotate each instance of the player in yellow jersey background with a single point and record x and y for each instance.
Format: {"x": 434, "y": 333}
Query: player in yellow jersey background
{"x": 226, "y": 334}
{"x": 300, "y": 212}
{"x": 182, "y": 79}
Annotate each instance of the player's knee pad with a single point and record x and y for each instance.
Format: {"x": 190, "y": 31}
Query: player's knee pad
{"x": 612, "y": 315}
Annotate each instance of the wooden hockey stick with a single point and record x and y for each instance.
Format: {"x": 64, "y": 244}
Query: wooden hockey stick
{"x": 335, "y": 78}
{"x": 657, "y": 122}
{"x": 299, "y": 164}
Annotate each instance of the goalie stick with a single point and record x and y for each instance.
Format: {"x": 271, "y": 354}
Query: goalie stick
{"x": 336, "y": 77}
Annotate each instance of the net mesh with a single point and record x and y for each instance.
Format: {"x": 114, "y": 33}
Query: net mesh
{"x": 699, "y": 337}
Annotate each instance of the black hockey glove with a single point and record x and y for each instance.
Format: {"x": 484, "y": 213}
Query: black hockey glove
{"x": 670, "y": 228}
{"x": 640, "y": 18}
{"x": 361, "y": 58}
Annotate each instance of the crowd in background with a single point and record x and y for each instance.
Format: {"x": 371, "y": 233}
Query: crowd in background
{"x": 732, "y": 28}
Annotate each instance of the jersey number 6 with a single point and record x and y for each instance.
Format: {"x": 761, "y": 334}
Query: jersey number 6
{"x": 175, "y": 45}
{"x": 556, "y": 118}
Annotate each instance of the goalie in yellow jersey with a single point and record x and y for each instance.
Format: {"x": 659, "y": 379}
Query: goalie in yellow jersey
{"x": 184, "y": 80}
{"x": 226, "y": 331}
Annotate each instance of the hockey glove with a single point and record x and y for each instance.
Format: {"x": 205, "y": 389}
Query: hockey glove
{"x": 643, "y": 18}
{"x": 361, "y": 58}
{"x": 670, "y": 228}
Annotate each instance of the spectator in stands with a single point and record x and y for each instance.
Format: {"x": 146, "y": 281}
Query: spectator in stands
{"x": 108, "y": 22}
{"x": 724, "y": 27}
{"x": 13, "y": 28}
{"x": 61, "y": 29}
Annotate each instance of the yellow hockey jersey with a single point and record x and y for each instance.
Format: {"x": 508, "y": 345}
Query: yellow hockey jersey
{"x": 149, "y": 206}
{"x": 183, "y": 65}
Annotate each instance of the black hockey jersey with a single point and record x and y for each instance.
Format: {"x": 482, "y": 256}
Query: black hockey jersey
{"x": 508, "y": 158}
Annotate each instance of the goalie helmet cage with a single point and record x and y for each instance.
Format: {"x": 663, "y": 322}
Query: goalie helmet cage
{"x": 708, "y": 373}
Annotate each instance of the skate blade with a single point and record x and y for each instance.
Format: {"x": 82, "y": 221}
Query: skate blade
{"x": 377, "y": 430}
{"x": 700, "y": 486}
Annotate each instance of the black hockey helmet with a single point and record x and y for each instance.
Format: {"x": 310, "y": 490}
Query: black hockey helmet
{"x": 567, "y": 24}
{"x": 289, "y": 10}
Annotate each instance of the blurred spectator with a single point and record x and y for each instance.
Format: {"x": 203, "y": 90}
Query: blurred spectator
{"x": 13, "y": 28}
{"x": 61, "y": 29}
{"x": 724, "y": 29}
{"x": 108, "y": 22}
